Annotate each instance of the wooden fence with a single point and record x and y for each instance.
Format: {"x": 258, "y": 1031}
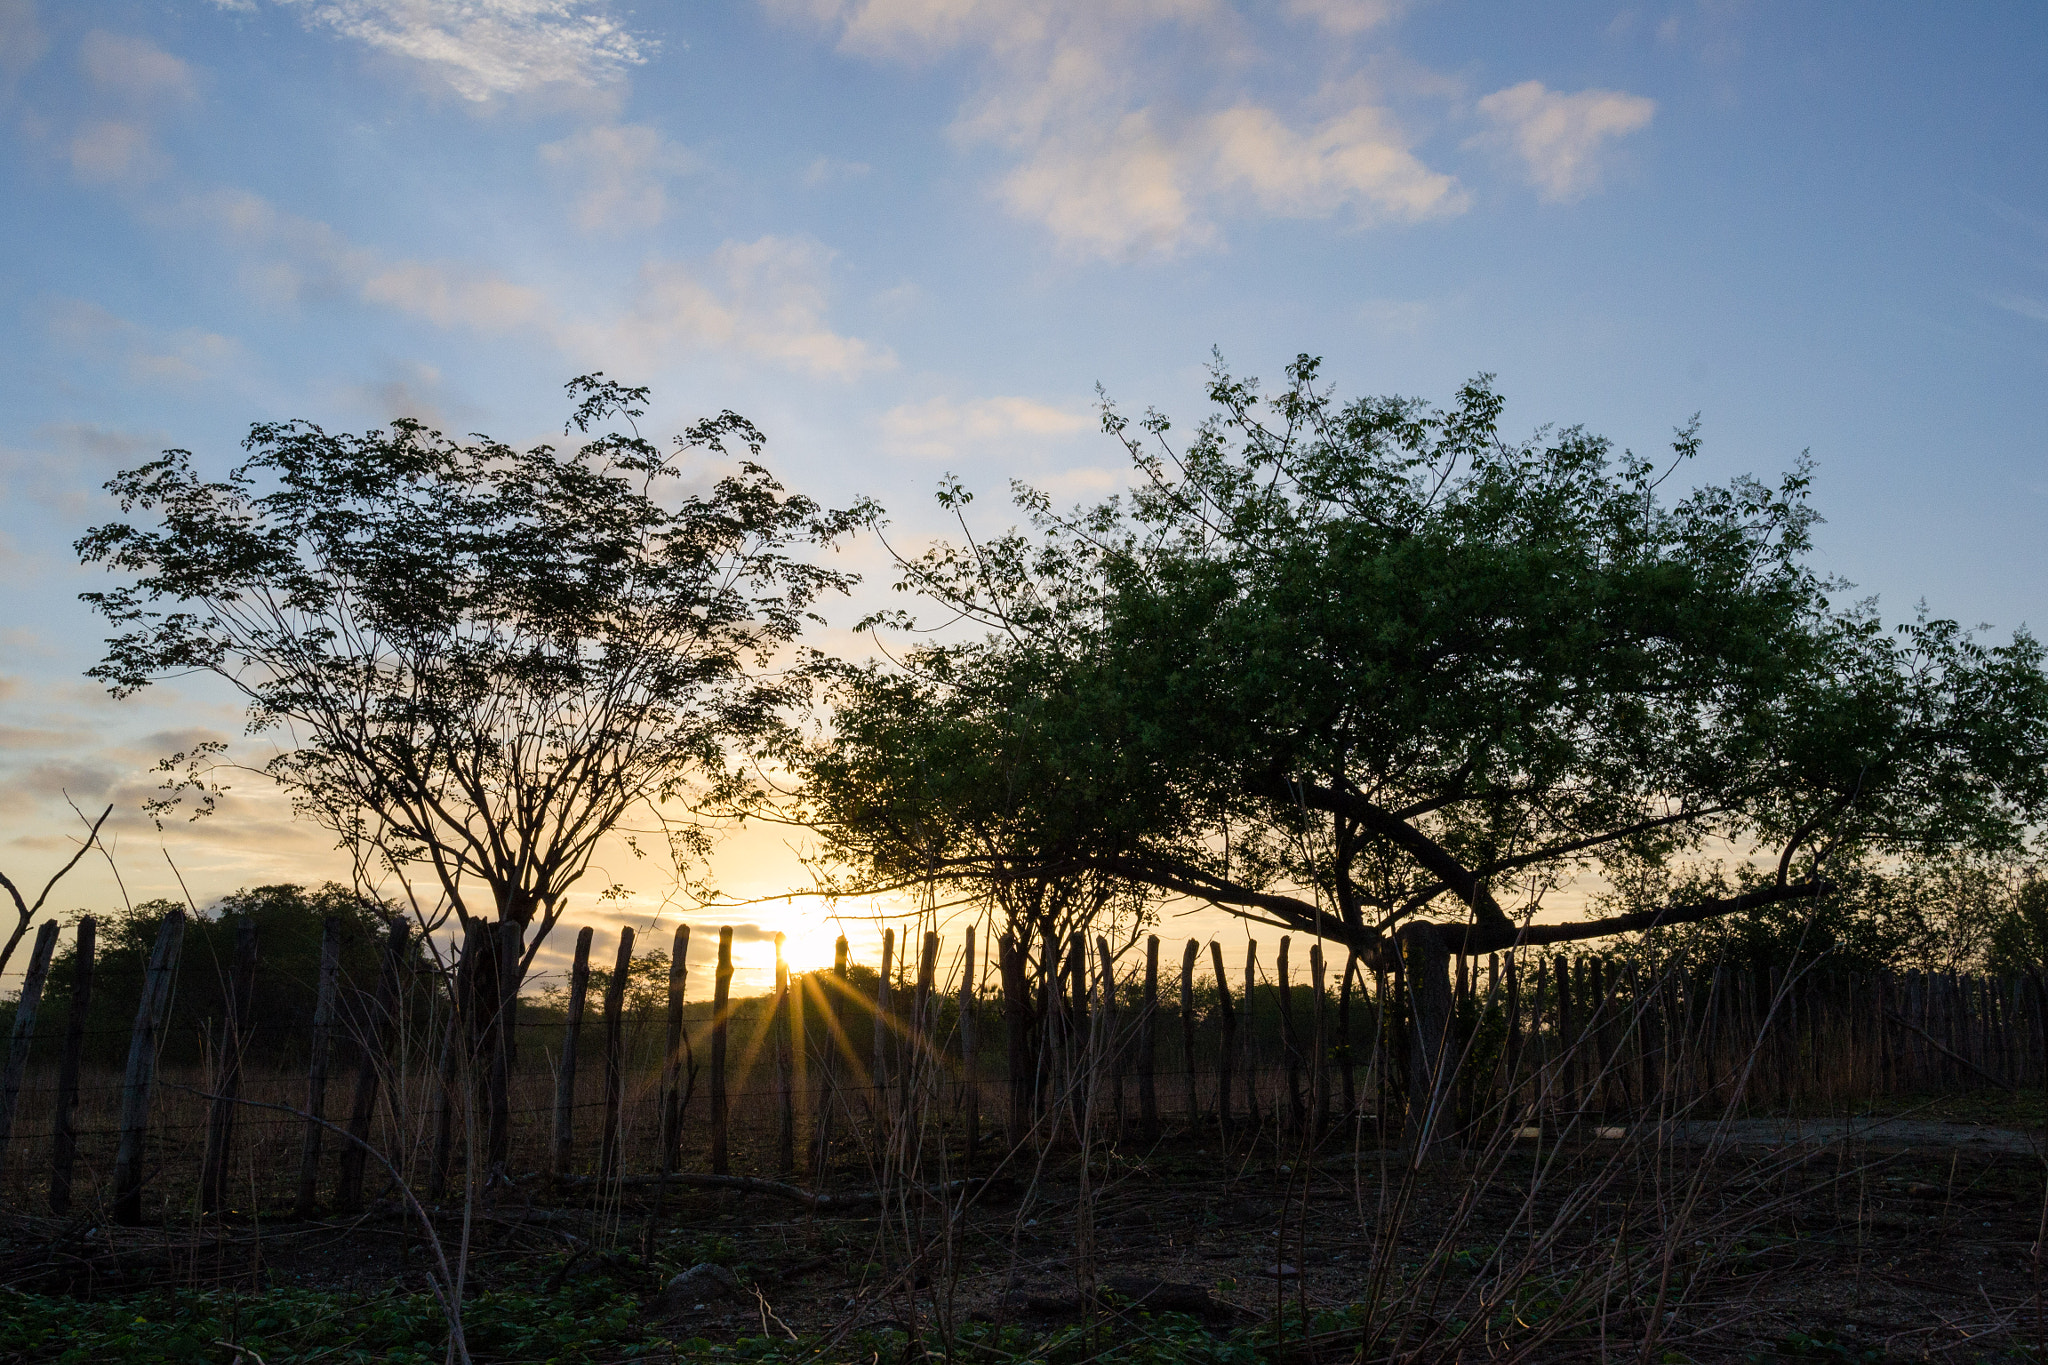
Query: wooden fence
{"x": 1031, "y": 1043}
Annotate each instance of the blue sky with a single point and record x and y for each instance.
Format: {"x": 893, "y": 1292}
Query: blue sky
{"x": 909, "y": 237}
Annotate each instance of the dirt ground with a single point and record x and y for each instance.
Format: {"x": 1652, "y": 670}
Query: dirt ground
{"x": 1908, "y": 1239}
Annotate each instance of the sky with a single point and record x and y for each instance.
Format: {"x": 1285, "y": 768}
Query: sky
{"x": 910, "y": 238}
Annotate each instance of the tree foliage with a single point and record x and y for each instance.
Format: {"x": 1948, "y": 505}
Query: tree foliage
{"x": 1351, "y": 666}
{"x": 289, "y": 922}
{"x": 478, "y": 660}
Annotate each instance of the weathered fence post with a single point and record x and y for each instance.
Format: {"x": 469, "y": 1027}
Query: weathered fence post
{"x": 26, "y": 1006}
{"x": 1251, "y": 1037}
{"x": 970, "y": 1084}
{"x": 1319, "y": 1070}
{"x": 64, "y": 1123}
{"x": 1431, "y": 1054}
{"x": 923, "y": 1020}
{"x": 1107, "y": 992}
{"x": 140, "y": 1078}
{"x": 348, "y": 1185}
{"x": 878, "y": 1077}
{"x": 834, "y": 1031}
{"x": 721, "y": 998}
{"x": 1187, "y": 1031}
{"x": 1017, "y": 1036}
{"x": 505, "y": 1053}
{"x": 220, "y": 1121}
{"x": 1290, "y": 1040}
{"x": 679, "y": 1067}
{"x": 460, "y": 1041}
{"x": 316, "y": 1066}
{"x": 1347, "y": 1065}
{"x": 1148, "y": 1045}
{"x": 785, "y": 1098}
{"x": 1227, "y": 1020}
{"x": 608, "y": 1162}
{"x": 565, "y": 1065}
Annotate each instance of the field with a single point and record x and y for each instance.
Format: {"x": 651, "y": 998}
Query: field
{"x": 1662, "y": 1184}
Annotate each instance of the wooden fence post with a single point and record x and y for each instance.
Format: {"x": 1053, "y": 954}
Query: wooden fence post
{"x": 316, "y": 1066}
{"x": 970, "y": 1084}
{"x": 878, "y": 1078}
{"x": 923, "y": 1013}
{"x": 1319, "y": 1070}
{"x": 829, "y": 1005}
{"x": 721, "y": 996}
{"x": 220, "y": 1121}
{"x": 1290, "y": 1040}
{"x": 1148, "y": 1040}
{"x": 348, "y": 1185}
{"x": 608, "y": 1158}
{"x": 1227, "y": 1019}
{"x": 1432, "y": 1047}
{"x": 1346, "y": 1063}
{"x": 140, "y": 1078}
{"x": 1187, "y": 1031}
{"x": 1251, "y": 1037}
{"x": 785, "y": 1097}
{"x": 24, "y": 1034}
{"x": 679, "y": 1067}
{"x": 565, "y": 1065}
{"x": 64, "y": 1124}
{"x": 1017, "y": 1036}
{"x": 1106, "y": 993}
{"x": 459, "y": 1044}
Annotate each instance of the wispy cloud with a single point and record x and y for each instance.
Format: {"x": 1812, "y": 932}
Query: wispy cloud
{"x": 945, "y": 427}
{"x": 1111, "y": 155}
{"x": 1561, "y": 138}
{"x": 135, "y": 69}
{"x": 768, "y": 298}
{"x": 183, "y": 355}
{"x": 487, "y": 48}
{"x": 622, "y": 173}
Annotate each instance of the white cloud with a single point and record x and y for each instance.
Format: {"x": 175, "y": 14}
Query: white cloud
{"x": 1110, "y": 153}
{"x": 766, "y": 298}
{"x": 184, "y": 355}
{"x": 112, "y": 152}
{"x": 942, "y": 427}
{"x": 1355, "y": 160}
{"x": 622, "y": 171}
{"x": 485, "y": 48}
{"x": 825, "y": 171}
{"x": 1560, "y": 137}
{"x": 1347, "y": 17}
{"x": 290, "y": 258}
{"x": 135, "y": 69}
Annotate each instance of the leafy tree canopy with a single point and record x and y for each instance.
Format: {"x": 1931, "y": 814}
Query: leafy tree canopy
{"x": 1351, "y": 667}
{"x": 479, "y": 660}
{"x": 289, "y": 922}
